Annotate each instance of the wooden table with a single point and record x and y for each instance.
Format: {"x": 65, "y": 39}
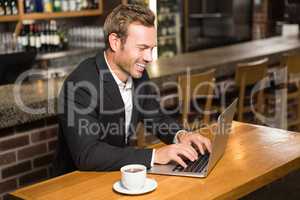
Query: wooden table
{"x": 255, "y": 156}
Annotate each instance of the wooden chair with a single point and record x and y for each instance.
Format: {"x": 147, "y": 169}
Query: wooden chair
{"x": 292, "y": 62}
{"x": 248, "y": 74}
{"x": 190, "y": 88}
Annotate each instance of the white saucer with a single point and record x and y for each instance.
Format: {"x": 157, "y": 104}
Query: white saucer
{"x": 149, "y": 186}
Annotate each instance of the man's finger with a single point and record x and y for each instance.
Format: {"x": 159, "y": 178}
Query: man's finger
{"x": 198, "y": 142}
{"x": 207, "y": 145}
{"x": 183, "y": 151}
{"x": 191, "y": 150}
{"x": 179, "y": 161}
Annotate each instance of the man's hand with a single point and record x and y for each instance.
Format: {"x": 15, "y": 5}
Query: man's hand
{"x": 172, "y": 152}
{"x": 195, "y": 139}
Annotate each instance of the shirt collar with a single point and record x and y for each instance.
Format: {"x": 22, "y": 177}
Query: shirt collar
{"x": 121, "y": 84}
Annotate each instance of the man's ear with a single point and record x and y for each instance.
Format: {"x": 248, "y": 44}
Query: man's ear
{"x": 114, "y": 41}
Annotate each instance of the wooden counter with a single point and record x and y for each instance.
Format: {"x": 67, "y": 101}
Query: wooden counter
{"x": 255, "y": 156}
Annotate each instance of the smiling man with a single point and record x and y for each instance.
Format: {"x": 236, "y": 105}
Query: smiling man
{"x": 105, "y": 97}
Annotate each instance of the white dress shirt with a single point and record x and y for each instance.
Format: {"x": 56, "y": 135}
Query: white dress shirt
{"x": 126, "y": 93}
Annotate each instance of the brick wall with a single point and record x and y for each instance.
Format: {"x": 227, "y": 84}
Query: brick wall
{"x": 26, "y": 154}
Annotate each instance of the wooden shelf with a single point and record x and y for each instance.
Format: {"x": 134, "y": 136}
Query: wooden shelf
{"x": 9, "y": 18}
{"x": 54, "y": 15}
{"x": 38, "y": 16}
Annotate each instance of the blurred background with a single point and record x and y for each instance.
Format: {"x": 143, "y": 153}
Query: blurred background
{"x": 245, "y": 48}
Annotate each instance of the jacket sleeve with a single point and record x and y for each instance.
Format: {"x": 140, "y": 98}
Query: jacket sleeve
{"x": 155, "y": 121}
{"x": 79, "y": 121}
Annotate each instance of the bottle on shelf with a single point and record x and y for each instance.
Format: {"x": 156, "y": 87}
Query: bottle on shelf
{"x": 7, "y": 6}
{"x": 84, "y": 4}
{"x": 23, "y": 39}
{"x": 48, "y": 38}
{"x": 43, "y": 35}
{"x": 2, "y": 8}
{"x": 47, "y": 6}
{"x": 39, "y": 7}
{"x": 26, "y": 37}
{"x": 10, "y": 7}
{"x": 14, "y": 8}
{"x": 95, "y": 4}
{"x": 31, "y": 38}
{"x": 39, "y": 37}
{"x": 72, "y": 5}
{"x": 55, "y": 40}
{"x": 65, "y": 5}
{"x": 37, "y": 34}
{"x": 29, "y": 6}
{"x": 79, "y": 5}
{"x": 32, "y": 6}
{"x": 57, "y": 6}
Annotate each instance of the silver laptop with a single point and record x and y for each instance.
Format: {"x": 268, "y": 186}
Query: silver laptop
{"x": 206, "y": 162}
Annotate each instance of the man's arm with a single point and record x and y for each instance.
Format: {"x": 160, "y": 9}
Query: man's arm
{"x": 87, "y": 147}
{"x": 168, "y": 129}
{"x": 155, "y": 121}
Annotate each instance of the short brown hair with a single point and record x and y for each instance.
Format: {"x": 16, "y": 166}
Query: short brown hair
{"x": 122, "y": 16}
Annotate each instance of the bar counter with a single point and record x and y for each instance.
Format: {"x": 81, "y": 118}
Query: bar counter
{"x": 223, "y": 59}
{"x": 35, "y": 95}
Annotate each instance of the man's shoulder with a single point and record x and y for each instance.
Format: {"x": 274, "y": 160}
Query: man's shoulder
{"x": 85, "y": 75}
{"x": 84, "y": 70}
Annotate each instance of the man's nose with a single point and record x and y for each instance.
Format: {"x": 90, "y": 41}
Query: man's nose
{"x": 148, "y": 56}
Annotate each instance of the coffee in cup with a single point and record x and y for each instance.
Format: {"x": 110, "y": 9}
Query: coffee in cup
{"x": 133, "y": 176}
{"x": 133, "y": 170}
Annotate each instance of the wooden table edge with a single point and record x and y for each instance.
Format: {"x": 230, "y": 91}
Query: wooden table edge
{"x": 261, "y": 181}
{"x": 17, "y": 195}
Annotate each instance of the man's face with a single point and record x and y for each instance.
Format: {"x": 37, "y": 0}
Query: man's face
{"x": 136, "y": 53}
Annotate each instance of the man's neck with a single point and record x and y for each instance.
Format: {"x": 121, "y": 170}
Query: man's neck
{"x": 110, "y": 57}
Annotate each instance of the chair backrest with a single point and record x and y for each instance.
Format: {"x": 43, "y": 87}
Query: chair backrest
{"x": 292, "y": 61}
{"x": 193, "y": 87}
{"x": 248, "y": 74}
{"x": 251, "y": 72}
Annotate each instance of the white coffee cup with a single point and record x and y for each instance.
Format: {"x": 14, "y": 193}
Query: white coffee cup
{"x": 133, "y": 176}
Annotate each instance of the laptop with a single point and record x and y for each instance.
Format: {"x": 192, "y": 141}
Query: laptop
{"x": 205, "y": 163}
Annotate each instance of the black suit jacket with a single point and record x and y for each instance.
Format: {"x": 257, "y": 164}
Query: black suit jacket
{"x": 90, "y": 136}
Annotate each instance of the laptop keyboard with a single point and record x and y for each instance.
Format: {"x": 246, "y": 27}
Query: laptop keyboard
{"x": 194, "y": 166}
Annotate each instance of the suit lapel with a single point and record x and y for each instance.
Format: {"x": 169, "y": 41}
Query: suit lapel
{"x": 112, "y": 91}
{"x": 110, "y": 88}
